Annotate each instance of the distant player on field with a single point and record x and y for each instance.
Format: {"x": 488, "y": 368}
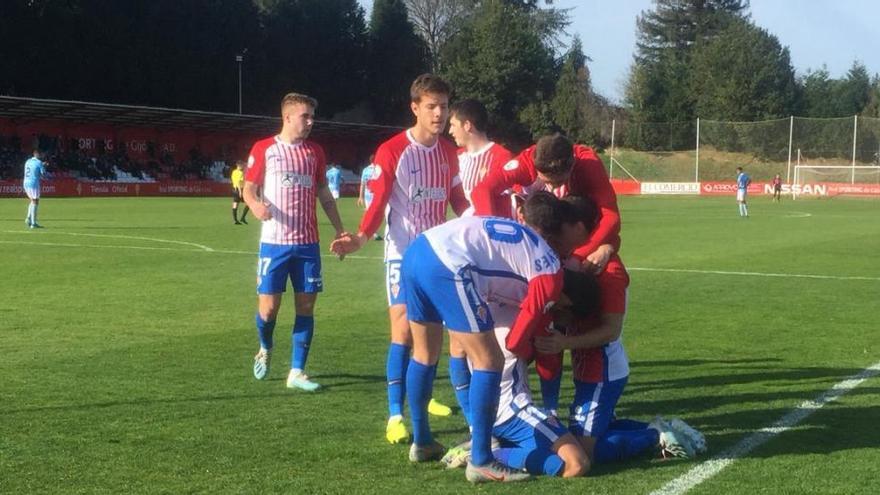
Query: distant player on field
{"x": 777, "y": 188}
{"x": 284, "y": 179}
{"x": 417, "y": 178}
{"x": 34, "y": 171}
{"x": 334, "y": 180}
{"x": 742, "y": 189}
{"x": 237, "y": 178}
{"x": 365, "y": 195}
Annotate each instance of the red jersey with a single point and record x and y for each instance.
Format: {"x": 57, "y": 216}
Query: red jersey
{"x": 588, "y": 179}
{"x": 412, "y": 185}
{"x": 475, "y": 166}
{"x": 289, "y": 175}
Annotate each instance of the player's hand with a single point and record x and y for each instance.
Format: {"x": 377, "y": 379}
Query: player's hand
{"x": 262, "y": 212}
{"x": 360, "y": 202}
{"x": 551, "y": 344}
{"x": 347, "y": 244}
{"x": 596, "y": 261}
{"x": 341, "y": 235}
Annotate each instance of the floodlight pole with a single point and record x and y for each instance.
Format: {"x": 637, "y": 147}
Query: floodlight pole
{"x": 855, "y": 130}
{"x": 239, "y": 59}
{"x": 611, "y": 165}
{"x": 790, "y": 136}
{"x": 697, "y": 164}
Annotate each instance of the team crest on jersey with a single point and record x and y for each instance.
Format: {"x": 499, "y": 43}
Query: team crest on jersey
{"x": 395, "y": 290}
{"x": 444, "y": 168}
{"x": 511, "y": 165}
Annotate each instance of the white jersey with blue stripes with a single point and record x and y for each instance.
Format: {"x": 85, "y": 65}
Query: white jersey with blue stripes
{"x": 502, "y": 256}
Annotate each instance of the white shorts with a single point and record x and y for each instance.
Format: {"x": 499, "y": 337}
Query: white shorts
{"x": 335, "y": 193}
{"x": 32, "y": 192}
{"x": 740, "y": 194}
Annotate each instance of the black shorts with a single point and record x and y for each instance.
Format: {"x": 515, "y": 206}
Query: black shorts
{"x": 236, "y": 196}
{"x": 777, "y": 188}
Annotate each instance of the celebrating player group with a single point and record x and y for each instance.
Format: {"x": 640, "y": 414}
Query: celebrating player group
{"x": 529, "y": 269}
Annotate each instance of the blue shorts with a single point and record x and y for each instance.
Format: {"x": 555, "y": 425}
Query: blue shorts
{"x": 394, "y": 286}
{"x": 435, "y": 294}
{"x": 593, "y": 407}
{"x": 530, "y": 430}
{"x": 300, "y": 262}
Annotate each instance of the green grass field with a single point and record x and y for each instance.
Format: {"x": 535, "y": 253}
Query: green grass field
{"x": 127, "y": 337}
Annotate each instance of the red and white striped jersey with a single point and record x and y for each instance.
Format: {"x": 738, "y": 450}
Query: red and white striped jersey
{"x": 474, "y": 166}
{"x": 289, "y": 176}
{"x": 412, "y": 184}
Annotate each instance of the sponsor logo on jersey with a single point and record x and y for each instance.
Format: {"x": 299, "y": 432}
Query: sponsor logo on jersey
{"x": 290, "y": 180}
{"x": 511, "y": 165}
{"x": 428, "y": 194}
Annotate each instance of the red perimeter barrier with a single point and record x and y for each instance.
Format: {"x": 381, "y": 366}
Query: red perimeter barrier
{"x": 626, "y": 186}
{"x": 75, "y": 188}
{"x": 814, "y": 189}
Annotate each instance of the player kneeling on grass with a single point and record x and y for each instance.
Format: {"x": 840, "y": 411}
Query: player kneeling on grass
{"x": 526, "y": 437}
{"x": 600, "y": 363}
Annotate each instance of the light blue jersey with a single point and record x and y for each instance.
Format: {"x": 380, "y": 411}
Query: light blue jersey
{"x": 742, "y": 181}
{"x": 33, "y": 172}
{"x": 334, "y": 178}
{"x": 366, "y": 176}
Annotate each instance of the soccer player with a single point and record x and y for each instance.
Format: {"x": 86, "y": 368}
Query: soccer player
{"x": 334, "y": 180}
{"x": 237, "y": 178}
{"x": 777, "y": 188}
{"x": 365, "y": 196}
{"x": 34, "y": 170}
{"x": 555, "y": 165}
{"x": 283, "y": 181}
{"x": 742, "y": 189}
{"x": 468, "y": 122}
{"x": 417, "y": 178}
{"x": 450, "y": 271}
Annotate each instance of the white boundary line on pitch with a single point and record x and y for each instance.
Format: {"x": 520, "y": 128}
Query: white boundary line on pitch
{"x": 203, "y": 248}
{"x": 715, "y": 465}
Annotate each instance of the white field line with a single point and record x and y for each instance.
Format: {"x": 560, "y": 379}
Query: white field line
{"x": 715, "y": 465}
{"x": 203, "y": 248}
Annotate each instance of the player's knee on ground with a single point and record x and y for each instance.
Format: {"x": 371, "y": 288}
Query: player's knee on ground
{"x": 577, "y": 463}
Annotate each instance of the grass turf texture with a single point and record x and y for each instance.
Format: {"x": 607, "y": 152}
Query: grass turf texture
{"x": 129, "y": 370}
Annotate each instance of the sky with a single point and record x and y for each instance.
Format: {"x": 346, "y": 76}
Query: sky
{"x": 817, "y": 32}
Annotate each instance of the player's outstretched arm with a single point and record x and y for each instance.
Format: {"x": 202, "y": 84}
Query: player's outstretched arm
{"x": 254, "y": 200}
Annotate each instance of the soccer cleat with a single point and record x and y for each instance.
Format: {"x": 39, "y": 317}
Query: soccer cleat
{"x": 424, "y": 453}
{"x": 35, "y": 225}
{"x": 494, "y": 471}
{"x": 435, "y": 408}
{"x": 458, "y": 456}
{"x": 693, "y": 436}
{"x": 672, "y": 443}
{"x": 301, "y": 381}
{"x": 261, "y": 364}
{"x": 244, "y": 221}
{"x": 237, "y": 223}
{"x": 395, "y": 431}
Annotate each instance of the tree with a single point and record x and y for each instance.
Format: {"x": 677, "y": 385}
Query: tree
{"x": 853, "y": 92}
{"x": 500, "y": 59}
{"x": 396, "y": 57}
{"x": 572, "y": 97}
{"x": 659, "y": 89}
{"x": 743, "y": 74}
{"x": 436, "y": 21}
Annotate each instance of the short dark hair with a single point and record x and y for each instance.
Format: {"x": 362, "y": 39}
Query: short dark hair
{"x": 472, "y": 111}
{"x": 298, "y": 98}
{"x": 554, "y": 155}
{"x": 583, "y": 290}
{"x": 428, "y": 83}
{"x": 547, "y": 213}
{"x": 739, "y": 168}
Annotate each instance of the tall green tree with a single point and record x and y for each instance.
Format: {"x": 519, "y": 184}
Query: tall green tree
{"x": 742, "y": 74}
{"x": 397, "y": 55}
{"x": 659, "y": 88}
{"x": 853, "y": 92}
{"x": 572, "y": 99}
{"x": 499, "y": 58}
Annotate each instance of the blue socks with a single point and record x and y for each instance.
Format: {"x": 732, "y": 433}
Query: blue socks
{"x": 265, "y": 329}
{"x": 519, "y": 458}
{"x": 460, "y": 376}
{"x": 420, "y": 384}
{"x": 550, "y": 392}
{"x": 303, "y": 329}
{"x": 619, "y": 445}
{"x": 395, "y": 372}
{"x": 484, "y": 405}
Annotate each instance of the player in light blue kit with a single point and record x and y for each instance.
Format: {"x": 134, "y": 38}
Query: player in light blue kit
{"x": 34, "y": 170}
{"x": 365, "y": 196}
{"x": 334, "y": 180}
{"x": 742, "y": 187}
